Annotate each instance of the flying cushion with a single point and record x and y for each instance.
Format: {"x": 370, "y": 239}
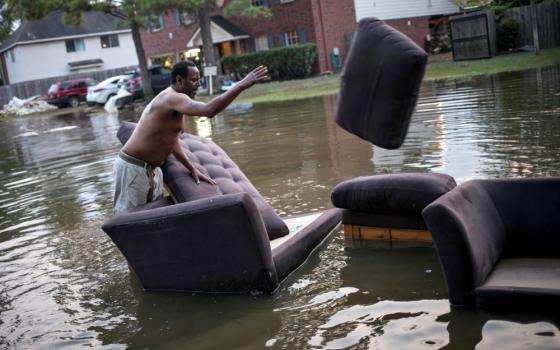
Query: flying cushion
{"x": 380, "y": 83}
{"x": 210, "y": 159}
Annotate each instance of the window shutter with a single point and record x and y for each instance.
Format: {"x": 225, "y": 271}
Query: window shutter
{"x": 282, "y": 39}
{"x": 251, "y": 45}
{"x": 161, "y": 22}
{"x": 270, "y": 40}
{"x": 302, "y": 36}
{"x": 177, "y": 18}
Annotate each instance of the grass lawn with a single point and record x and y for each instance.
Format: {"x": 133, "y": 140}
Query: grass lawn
{"x": 439, "y": 67}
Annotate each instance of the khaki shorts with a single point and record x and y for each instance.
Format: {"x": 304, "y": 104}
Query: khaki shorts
{"x": 136, "y": 183}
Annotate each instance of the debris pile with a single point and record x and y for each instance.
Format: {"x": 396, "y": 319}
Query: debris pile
{"x": 18, "y": 106}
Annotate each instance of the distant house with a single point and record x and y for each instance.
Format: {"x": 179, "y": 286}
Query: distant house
{"x": 174, "y": 36}
{"x": 412, "y": 17}
{"x": 48, "y": 48}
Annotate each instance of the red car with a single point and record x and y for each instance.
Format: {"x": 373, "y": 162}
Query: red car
{"x": 69, "y": 92}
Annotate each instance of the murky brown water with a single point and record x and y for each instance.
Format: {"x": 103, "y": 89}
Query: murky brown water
{"x": 63, "y": 284}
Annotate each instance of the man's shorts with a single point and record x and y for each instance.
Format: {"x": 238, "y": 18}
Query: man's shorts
{"x": 136, "y": 183}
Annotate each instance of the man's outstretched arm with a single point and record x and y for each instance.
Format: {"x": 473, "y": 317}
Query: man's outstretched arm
{"x": 218, "y": 104}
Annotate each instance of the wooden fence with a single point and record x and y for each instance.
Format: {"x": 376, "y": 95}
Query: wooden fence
{"x": 473, "y": 35}
{"x": 40, "y": 87}
{"x": 548, "y": 23}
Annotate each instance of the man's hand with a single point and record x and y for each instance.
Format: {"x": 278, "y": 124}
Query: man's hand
{"x": 258, "y": 74}
{"x": 200, "y": 176}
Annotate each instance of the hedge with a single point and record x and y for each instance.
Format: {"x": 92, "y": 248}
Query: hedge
{"x": 295, "y": 61}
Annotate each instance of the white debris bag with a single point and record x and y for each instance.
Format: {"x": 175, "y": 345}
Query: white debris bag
{"x": 25, "y": 106}
{"x": 111, "y": 106}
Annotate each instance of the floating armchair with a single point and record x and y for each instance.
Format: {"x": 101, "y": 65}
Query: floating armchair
{"x": 499, "y": 242}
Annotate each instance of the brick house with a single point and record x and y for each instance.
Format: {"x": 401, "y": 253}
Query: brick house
{"x": 328, "y": 23}
{"x": 173, "y": 36}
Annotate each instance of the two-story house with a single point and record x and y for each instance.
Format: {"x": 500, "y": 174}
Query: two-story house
{"x": 48, "y": 48}
{"x": 173, "y": 36}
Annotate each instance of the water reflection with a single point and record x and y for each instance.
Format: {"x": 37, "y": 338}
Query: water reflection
{"x": 63, "y": 283}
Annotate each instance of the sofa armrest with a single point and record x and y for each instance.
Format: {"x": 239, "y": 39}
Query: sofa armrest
{"x": 216, "y": 244}
{"x": 469, "y": 237}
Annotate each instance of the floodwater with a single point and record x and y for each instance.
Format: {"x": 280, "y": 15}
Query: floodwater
{"x": 63, "y": 283}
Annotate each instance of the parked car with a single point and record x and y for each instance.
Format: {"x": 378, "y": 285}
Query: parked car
{"x": 100, "y": 93}
{"x": 227, "y": 84}
{"x": 69, "y": 92}
{"x": 159, "y": 76}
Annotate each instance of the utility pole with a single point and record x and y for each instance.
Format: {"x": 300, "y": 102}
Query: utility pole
{"x": 535, "y": 27}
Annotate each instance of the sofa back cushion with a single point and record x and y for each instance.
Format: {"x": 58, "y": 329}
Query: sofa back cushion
{"x": 406, "y": 193}
{"x": 528, "y": 208}
{"x": 380, "y": 83}
{"x": 210, "y": 159}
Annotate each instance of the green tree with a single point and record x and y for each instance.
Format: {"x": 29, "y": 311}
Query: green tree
{"x": 131, "y": 12}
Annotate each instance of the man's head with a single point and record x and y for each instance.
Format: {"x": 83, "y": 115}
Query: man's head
{"x": 185, "y": 78}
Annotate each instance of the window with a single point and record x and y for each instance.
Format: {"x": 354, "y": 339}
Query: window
{"x": 183, "y": 18}
{"x": 75, "y": 45}
{"x": 155, "y": 23}
{"x": 292, "y": 37}
{"x": 165, "y": 61}
{"x": 257, "y": 3}
{"x": 261, "y": 43}
{"x": 109, "y": 41}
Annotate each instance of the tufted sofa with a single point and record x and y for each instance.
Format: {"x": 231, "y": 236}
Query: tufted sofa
{"x": 213, "y": 238}
{"x": 498, "y": 242}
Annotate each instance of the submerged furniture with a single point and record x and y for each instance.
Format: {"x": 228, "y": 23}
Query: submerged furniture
{"x": 222, "y": 238}
{"x": 385, "y": 210}
{"x": 499, "y": 242}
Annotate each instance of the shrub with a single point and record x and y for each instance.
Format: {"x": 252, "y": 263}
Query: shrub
{"x": 508, "y": 29}
{"x": 288, "y": 62}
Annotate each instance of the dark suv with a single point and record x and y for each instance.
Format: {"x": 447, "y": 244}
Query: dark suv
{"x": 69, "y": 92}
{"x": 159, "y": 76}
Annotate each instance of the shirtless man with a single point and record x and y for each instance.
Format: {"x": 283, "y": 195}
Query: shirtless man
{"x": 138, "y": 178}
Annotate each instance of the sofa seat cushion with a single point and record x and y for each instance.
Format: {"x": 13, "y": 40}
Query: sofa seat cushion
{"x": 522, "y": 283}
{"x": 210, "y": 159}
{"x": 380, "y": 83}
{"x": 407, "y": 193}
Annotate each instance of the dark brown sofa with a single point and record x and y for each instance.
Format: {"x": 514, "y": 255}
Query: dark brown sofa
{"x": 222, "y": 238}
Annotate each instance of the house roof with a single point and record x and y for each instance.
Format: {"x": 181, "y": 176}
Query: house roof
{"x": 222, "y": 31}
{"x": 52, "y": 27}
{"x": 226, "y": 25}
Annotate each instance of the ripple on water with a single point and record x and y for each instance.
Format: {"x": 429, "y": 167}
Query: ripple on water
{"x": 386, "y": 325}
{"x": 499, "y": 334}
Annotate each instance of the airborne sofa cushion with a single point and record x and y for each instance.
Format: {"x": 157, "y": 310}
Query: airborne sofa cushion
{"x": 406, "y": 193}
{"x": 380, "y": 83}
{"x": 210, "y": 159}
